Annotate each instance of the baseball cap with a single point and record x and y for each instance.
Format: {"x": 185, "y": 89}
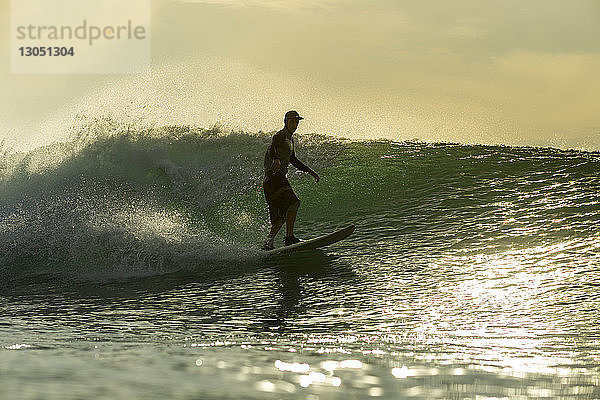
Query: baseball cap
{"x": 292, "y": 114}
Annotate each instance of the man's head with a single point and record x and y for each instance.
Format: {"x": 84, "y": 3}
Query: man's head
{"x": 291, "y": 120}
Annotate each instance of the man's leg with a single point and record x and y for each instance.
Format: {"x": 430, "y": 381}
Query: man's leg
{"x": 275, "y": 226}
{"x": 291, "y": 218}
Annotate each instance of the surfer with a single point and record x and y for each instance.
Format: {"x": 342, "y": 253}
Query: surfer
{"x": 281, "y": 199}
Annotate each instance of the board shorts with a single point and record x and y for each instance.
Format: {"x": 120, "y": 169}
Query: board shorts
{"x": 279, "y": 195}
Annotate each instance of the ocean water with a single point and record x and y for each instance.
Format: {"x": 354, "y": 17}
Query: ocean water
{"x": 129, "y": 270}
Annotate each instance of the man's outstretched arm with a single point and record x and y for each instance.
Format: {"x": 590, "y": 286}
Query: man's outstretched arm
{"x": 303, "y": 167}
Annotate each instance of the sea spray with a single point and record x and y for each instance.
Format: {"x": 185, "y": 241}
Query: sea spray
{"x": 116, "y": 197}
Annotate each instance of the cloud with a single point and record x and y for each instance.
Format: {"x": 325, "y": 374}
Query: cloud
{"x": 502, "y": 26}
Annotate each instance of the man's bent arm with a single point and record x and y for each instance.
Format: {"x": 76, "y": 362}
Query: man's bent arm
{"x": 277, "y": 139}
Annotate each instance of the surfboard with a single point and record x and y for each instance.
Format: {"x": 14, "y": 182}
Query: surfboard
{"x": 314, "y": 243}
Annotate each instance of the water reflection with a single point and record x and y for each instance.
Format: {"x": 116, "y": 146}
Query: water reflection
{"x": 294, "y": 271}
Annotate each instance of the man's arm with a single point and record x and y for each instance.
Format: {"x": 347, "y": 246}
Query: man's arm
{"x": 303, "y": 167}
{"x": 277, "y": 138}
{"x": 275, "y": 142}
{"x": 298, "y": 164}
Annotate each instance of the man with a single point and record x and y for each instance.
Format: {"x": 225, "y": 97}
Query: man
{"x": 283, "y": 202}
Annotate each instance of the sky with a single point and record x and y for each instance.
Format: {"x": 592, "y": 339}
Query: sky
{"x": 469, "y": 71}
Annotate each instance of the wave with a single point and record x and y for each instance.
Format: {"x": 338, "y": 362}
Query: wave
{"x": 117, "y": 201}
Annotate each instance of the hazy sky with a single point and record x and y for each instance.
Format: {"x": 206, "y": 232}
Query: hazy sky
{"x": 494, "y": 71}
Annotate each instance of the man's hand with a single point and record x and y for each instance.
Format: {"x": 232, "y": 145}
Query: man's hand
{"x": 315, "y": 175}
{"x": 276, "y": 164}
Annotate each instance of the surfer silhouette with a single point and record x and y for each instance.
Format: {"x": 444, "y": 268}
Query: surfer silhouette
{"x": 281, "y": 199}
